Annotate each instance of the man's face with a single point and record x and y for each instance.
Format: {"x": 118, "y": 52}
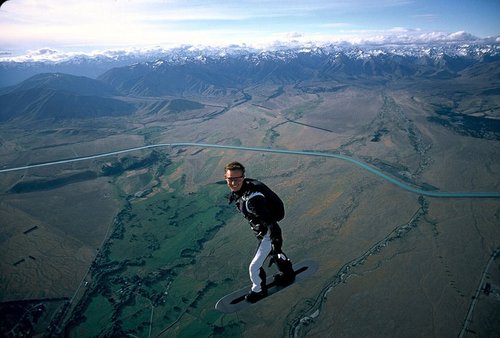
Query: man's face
{"x": 234, "y": 179}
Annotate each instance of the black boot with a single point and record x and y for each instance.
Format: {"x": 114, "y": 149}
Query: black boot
{"x": 253, "y": 296}
{"x": 286, "y": 275}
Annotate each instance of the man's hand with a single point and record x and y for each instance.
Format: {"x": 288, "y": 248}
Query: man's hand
{"x": 260, "y": 229}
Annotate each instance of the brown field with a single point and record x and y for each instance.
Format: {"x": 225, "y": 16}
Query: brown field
{"x": 391, "y": 263}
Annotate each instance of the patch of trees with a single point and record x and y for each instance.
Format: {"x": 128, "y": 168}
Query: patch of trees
{"x": 473, "y": 126}
{"x": 131, "y": 163}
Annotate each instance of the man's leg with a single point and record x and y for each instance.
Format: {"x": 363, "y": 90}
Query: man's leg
{"x": 257, "y": 274}
{"x": 286, "y": 275}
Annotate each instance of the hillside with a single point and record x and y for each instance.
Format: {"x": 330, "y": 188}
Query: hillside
{"x": 80, "y": 85}
{"x": 60, "y": 96}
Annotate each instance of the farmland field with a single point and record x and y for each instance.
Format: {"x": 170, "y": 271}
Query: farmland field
{"x": 144, "y": 243}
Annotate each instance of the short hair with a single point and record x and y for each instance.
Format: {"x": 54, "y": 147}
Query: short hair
{"x": 234, "y": 166}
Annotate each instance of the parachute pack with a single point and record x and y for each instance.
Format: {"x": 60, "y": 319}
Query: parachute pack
{"x": 276, "y": 204}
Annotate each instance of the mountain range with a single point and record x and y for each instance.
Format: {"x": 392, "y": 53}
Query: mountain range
{"x": 15, "y": 70}
{"x": 214, "y": 72}
{"x": 209, "y": 73}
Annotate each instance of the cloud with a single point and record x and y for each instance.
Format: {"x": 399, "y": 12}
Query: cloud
{"x": 336, "y": 25}
{"x": 294, "y": 35}
{"x": 107, "y": 24}
{"x": 462, "y": 36}
{"x": 427, "y": 17}
{"x": 399, "y": 37}
{"x": 44, "y": 51}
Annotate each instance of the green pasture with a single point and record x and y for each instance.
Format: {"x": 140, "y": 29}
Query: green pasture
{"x": 156, "y": 240}
{"x": 94, "y": 323}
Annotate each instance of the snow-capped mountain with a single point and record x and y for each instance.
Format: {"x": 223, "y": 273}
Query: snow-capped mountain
{"x": 188, "y": 72}
{"x": 372, "y": 58}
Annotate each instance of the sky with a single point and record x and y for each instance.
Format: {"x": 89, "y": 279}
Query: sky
{"x": 76, "y": 25}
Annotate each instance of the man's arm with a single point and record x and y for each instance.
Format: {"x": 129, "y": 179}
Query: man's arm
{"x": 259, "y": 208}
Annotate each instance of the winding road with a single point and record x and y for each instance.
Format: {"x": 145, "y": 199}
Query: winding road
{"x": 365, "y": 166}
